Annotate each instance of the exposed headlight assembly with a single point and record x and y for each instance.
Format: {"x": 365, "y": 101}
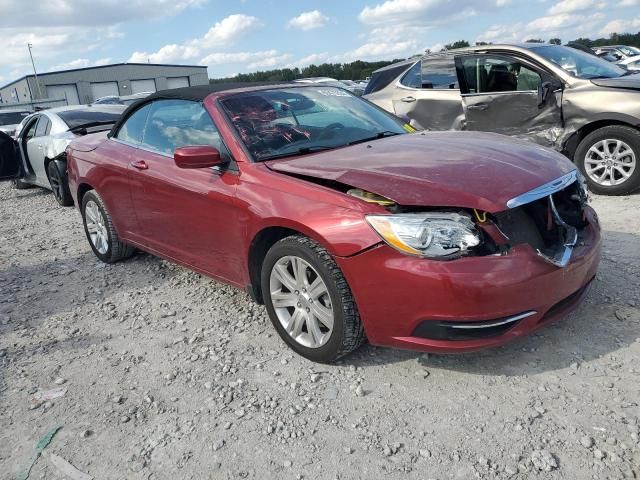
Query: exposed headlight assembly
{"x": 431, "y": 235}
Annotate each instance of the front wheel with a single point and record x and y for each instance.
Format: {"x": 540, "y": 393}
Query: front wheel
{"x": 57, "y": 173}
{"x": 608, "y": 159}
{"x": 309, "y": 301}
{"x": 100, "y": 231}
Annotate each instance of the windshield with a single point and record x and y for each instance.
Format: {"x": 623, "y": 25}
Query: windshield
{"x": 292, "y": 121}
{"x": 577, "y": 63}
{"x": 12, "y": 118}
{"x": 77, "y": 118}
{"x": 629, "y": 51}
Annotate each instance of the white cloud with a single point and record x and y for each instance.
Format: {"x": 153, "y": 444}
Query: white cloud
{"x": 83, "y": 13}
{"x": 224, "y": 32}
{"x": 621, "y": 26}
{"x": 424, "y": 12}
{"x": 570, "y": 6}
{"x": 309, "y": 20}
{"x": 564, "y": 25}
{"x": 629, "y": 3}
{"x": 266, "y": 59}
{"x": 229, "y": 29}
{"x": 380, "y": 51}
{"x": 103, "y": 61}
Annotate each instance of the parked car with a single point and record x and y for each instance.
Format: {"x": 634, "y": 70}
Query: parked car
{"x": 619, "y": 52}
{"x": 347, "y": 227}
{"x": 332, "y": 82}
{"x": 632, "y": 64}
{"x": 121, "y": 100}
{"x": 557, "y": 96}
{"x": 10, "y": 119}
{"x": 37, "y": 155}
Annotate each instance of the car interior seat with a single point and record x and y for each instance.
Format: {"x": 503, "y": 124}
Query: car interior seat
{"x": 500, "y": 79}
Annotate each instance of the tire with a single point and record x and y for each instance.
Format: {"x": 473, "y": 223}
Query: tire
{"x": 612, "y": 150}
{"x": 323, "y": 344}
{"x": 57, "y": 173}
{"x": 20, "y": 184}
{"x": 98, "y": 222}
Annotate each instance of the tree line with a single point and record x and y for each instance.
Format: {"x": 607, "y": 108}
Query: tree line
{"x": 359, "y": 70}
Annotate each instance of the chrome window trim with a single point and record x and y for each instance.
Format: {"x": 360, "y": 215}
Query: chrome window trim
{"x": 509, "y": 92}
{"x": 515, "y": 318}
{"x": 545, "y": 190}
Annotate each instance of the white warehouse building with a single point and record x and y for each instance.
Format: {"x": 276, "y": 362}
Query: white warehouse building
{"x": 84, "y": 85}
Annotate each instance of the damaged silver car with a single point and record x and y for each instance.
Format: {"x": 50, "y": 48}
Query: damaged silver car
{"x": 41, "y": 143}
{"x": 556, "y": 96}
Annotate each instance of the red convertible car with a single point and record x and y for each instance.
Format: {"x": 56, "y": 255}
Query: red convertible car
{"x": 347, "y": 225}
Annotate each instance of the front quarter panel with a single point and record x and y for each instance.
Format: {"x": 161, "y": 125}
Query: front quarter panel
{"x": 586, "y": 103}
{"x": 331, "y": 218}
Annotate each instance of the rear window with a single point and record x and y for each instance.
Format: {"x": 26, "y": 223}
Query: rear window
{"x": 76, "y": 118}
{"x": 12, "y": 118}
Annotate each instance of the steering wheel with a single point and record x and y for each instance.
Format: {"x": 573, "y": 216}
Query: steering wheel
{"x": 330, "y": 128}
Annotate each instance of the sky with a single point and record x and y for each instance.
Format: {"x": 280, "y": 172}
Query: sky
{"x": 240, "y": 36}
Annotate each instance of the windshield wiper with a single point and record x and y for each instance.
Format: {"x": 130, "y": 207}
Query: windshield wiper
{"x": 377, "y": 136}
{"x": 299, "y": 151}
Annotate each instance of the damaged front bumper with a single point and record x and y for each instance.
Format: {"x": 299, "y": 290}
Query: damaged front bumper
{"x": 548, "y": 257}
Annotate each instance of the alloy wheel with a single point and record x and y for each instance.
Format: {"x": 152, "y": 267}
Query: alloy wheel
{"x": 610, "y": 162}
{"x": 301, "y": 300}
{"x": 94, "y": 220}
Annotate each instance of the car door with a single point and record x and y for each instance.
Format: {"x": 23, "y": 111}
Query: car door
{"x": 37, "y": 147}
{"x": 34, "y": 142}
{"x": 429, "y": 95}
{"x": 9, "y": 157}
{"x": 508, "y": 95}
{"x": 189, "y": 215}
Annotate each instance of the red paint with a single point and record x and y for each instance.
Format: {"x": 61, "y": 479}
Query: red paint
{"x": 207, "y": 219}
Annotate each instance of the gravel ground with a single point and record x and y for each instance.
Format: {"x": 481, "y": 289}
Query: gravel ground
{"x": 169, "y": 375}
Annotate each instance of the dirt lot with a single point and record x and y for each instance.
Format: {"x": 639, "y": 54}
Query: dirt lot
{"x": 169, "y": 375}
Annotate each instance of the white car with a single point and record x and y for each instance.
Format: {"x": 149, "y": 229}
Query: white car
{"x": 632, "y": 63}
{"x": 42, "y": 140}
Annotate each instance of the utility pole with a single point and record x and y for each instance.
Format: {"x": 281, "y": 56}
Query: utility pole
{"x": 35, "y": 74}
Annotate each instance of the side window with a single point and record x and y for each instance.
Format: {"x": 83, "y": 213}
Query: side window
{"x": 413, "y": 78}
{"x": 178, "y": 123}
{"x": 133, "y": 128}
{"x": 487, "y": 74}
{"x": 439, "y": 73}
{"x": 44, "y": 125}
{"x": 31, "y": 130}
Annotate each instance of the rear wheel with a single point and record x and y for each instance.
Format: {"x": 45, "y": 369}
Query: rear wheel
{"x": 100, "y": 231}
{"x": 309, "y": 301}
{"x": 608, "y": 158}
{"x": 57, "y": 173}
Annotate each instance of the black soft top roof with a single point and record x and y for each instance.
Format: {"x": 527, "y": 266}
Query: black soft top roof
{"x": 196, "y": 93}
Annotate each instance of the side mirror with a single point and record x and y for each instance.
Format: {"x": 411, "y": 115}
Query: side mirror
{"x": 543, "y": 93}
{"x": 197, "y": 156}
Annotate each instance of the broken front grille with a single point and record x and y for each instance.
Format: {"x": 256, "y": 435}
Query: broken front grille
{"x": 550, "y": 219}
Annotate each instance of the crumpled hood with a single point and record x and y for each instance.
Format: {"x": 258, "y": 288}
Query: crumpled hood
{"x": 440, "y": 169}
{"x": 629, "y": 82}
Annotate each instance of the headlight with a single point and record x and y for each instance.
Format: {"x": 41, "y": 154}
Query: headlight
{"x": 432, "y": 235}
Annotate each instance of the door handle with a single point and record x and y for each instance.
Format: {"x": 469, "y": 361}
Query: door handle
{"x": 478, "y": 106}
{"x": 139, "y": 164}
{"x": 408, "y": 99}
